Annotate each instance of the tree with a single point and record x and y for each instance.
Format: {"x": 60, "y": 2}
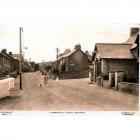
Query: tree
{"x": 89, "y": 56}
{"x": 48, "y": 68}
{"x": 66, "y": 51}
{"x": 55, "y": 71}
{"x": 36, "y": 67}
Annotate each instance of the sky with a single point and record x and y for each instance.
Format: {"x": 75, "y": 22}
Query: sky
{"x": 42, "y": 40}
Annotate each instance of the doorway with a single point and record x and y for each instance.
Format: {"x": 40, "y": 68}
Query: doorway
{"x": 112, "y": 79}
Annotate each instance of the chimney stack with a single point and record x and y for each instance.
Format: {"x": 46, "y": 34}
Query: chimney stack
{"x": 77, "y": 47}
{"x": 133, "y": 31}
{"x": 4, "y": 51}
{"x": 10, "y": 53}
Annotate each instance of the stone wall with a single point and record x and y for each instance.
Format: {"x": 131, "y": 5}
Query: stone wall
{"x": 74, "y": 74}
{"x": 105, "y": 66}
{"x": 106, "y": 83}
{"x": 128, "y": 66}
{"x": 128, "y": 88}
{"x": 79, "y": 60}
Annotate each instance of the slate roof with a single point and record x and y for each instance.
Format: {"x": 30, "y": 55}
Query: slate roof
{"x": 69, "y": 54}
{"x": 114, "y": 51}
{"x": 66, "y": 55}
{"x": 7, "y": 55}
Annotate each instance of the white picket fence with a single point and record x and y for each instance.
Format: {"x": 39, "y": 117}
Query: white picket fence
{"x": 5, "y": 86}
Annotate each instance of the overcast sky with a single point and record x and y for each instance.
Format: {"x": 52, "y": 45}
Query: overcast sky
{"x": 42, "y": 40}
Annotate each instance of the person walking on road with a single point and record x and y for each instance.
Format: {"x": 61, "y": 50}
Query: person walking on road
{"x": 46, "y": 78}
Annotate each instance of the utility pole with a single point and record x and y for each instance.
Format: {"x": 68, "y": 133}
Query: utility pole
{"x": 20, "y": 52}
{"x": 57, "y": 50}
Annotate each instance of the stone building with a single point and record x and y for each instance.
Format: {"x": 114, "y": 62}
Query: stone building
{"x": 72, "y": 63}
{"x": 7, "y": 63}
{"x": 107, "y": 60}
{"x": 26, "y": 66}
{"x": 17, "y": 58}
{"x": 134, "y": 40}
{"x": 75, "y": 60}
{"x": 114, "y": 63}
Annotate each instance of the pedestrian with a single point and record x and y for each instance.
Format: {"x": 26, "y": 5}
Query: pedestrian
{"x": 57, "y": 80}
{"x": 46, "y": 78}
{"x": 90, "y": 77}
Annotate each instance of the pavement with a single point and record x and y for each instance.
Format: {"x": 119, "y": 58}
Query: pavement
{"x": 66, "y": 95}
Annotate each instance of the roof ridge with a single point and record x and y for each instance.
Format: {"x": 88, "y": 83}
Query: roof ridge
{"x": 122, "y": 51}
{"x": 64, "y": 55}
{"x": 113, "y": 43}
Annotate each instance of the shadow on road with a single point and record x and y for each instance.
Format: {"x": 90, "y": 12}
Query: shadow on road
{"x": 9, "y": 99}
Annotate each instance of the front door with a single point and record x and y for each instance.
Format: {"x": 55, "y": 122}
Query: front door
{"x": 112, "y": 79}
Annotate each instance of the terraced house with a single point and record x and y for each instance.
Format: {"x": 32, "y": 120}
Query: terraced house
{"x": 7, "y": 63}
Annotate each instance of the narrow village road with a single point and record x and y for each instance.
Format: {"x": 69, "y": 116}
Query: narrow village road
{"x": 72, "y": 94}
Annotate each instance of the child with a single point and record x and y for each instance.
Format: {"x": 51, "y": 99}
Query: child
{"x": 57, "y": 79}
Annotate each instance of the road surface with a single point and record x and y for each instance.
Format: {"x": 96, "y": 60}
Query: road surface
{"x": 67, "y": 95}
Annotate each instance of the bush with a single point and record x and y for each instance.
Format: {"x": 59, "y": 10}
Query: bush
{"x": 14, "y": 74}
{"x": 5, "y": 73}
{"x": 55, "y": 71}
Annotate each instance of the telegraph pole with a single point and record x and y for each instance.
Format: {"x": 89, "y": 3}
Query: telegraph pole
{"x": 20, "y": 52}
{"x": 57, "y": 50}
{"x": 57, "y": 56}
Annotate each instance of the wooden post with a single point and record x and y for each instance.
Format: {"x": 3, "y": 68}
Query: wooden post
{"x": 20, "y": 52}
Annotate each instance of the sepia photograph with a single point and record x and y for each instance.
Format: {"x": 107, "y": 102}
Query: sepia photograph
{"x": 69, "y": 70}
{"x": 69, "y": 67}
